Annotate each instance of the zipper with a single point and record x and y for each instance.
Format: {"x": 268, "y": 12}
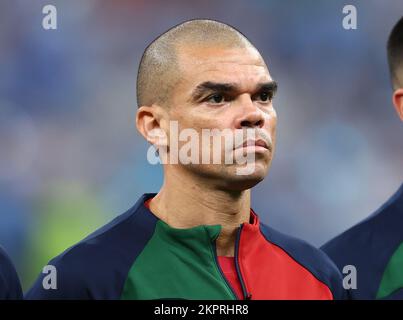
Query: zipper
{"x": 221, "y": 272}
{"x": 246, "y": 295}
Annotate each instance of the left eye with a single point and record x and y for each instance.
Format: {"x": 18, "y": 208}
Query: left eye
{"x": 216, "y": 98}
{"x": 265, "y": 96}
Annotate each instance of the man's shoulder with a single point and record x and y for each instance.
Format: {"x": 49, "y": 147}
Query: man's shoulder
{"x": 97, "y": 266}
{"x": 10, "y": 287}
{"x": 116, "y": 239}
{"x": 300, "y": 250}
{"x": 350, "y": 241}
{"x": 369, "y": 245}
{"x": 5, "y": 262}
{"x": 309, "y": 257}
{"x": 379, "y": 232}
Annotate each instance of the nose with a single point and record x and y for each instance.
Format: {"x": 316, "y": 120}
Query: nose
{"x": 250, "y": 116}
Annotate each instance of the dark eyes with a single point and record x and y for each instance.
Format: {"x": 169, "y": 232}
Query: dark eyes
{"x": 265, "y": 96}
{"x": 218, "y": 98}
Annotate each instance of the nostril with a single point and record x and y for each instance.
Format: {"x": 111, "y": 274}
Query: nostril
{"x": 259, "y": 123}
{"x": 247, "y": 123}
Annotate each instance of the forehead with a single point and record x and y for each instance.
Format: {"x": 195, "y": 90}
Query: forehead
{"x": 243, "y": 66}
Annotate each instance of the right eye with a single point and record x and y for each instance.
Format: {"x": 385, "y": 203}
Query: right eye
{"x": 216, "y": 98}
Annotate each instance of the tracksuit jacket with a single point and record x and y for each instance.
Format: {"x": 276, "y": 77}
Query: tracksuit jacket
{"x": 138, "y": 256}
{"x": 10, "y": 288}
{"x": 375, "y": 248}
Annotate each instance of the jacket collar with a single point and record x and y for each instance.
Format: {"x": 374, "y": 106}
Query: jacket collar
{"x": 210, "y": 231}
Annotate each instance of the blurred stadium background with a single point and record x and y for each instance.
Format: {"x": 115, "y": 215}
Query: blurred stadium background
{"x": 70, "y": 156}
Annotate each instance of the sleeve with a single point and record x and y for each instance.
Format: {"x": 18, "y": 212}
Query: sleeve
{"x": 80, "y": 273}
{"x": 60, "y": 279}
{"x": 10, "y": 287}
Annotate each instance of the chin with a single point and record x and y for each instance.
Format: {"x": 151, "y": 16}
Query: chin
{"x": 238, "y": 182}
{"x": 244, "y": 184}
{"x": 228, "y": 177}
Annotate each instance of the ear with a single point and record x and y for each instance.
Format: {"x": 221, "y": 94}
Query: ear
{"x": 150, "y": 122}
{"x": 398, "y": 102}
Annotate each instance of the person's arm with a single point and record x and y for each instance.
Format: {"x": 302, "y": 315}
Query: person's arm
{"x": 10, "y": 287}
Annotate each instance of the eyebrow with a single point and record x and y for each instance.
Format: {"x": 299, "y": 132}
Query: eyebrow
{"x": 209, "y": 86}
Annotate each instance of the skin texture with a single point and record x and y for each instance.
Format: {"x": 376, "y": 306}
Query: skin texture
{"x": 210, "y": 194}
{"x": 397, "y": 99}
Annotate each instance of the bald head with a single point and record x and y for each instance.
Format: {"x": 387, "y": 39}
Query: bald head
{"x": 160, "y": 66}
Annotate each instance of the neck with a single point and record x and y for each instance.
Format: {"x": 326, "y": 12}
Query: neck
{"x": 185, "y": 202}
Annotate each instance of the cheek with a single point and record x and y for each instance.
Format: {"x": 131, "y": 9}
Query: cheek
{"x": 206, "y": 122}
{"x": 274, "y": 130}
{"x": 184, "y": 120}
{"x": 271, "y": 121}
{"x": 274, "y": 124}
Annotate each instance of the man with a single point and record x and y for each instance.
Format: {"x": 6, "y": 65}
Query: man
{"x": 198, "y": 238}
{"x": 10, "y": 288}
{"x": 375, "y": 246}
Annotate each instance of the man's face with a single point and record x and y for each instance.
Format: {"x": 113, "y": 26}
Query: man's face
{"x": 226, "y": 89}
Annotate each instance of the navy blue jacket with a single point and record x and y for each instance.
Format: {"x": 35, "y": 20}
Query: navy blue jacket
{"x": 10, "y": 287}
{"x": 375, "y": 247}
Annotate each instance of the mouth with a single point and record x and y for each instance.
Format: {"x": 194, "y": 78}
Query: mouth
{"x": 254, "y": 145}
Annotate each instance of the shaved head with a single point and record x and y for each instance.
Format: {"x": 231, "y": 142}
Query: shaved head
{"x": 160, "y": 67}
